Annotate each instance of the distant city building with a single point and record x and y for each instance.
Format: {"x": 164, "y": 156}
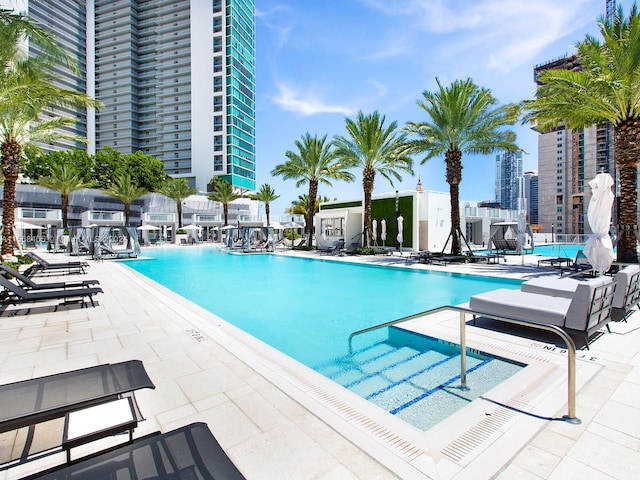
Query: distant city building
{"x": 531, "y": 194}
{"x": 567, "y": 161}
{"x": 177, "y": 80}
{"x": 508, "y": 175}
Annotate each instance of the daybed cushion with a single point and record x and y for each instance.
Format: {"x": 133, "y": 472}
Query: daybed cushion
{"x": 623, "y": 278}
{"x": 558, "y": 311}
{"x": 557, "y": 287}
{"x": 522, "y": 305}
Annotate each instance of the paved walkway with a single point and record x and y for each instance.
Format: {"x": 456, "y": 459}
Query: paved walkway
{"x": 206, "y": 370}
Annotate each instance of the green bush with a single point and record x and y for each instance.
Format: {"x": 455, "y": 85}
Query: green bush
{"x": 181, "y": 231}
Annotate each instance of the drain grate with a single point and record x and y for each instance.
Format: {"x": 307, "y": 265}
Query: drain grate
{"x": 407, "y": 450}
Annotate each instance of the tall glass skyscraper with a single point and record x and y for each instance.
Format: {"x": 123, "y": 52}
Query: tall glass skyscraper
{"x": 176, "y": 77}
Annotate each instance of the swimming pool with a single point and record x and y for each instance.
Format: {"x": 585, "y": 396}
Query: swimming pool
{"x": 569, "y": 250}
{"x": 306, "y": 308}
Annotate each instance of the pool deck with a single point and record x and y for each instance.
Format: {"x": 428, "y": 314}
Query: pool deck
{"x": 278, "y": 421}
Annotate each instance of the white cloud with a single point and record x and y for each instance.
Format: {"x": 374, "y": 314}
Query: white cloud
{"x": 380, "y": 88}
{"x": 511, "y": 33}
{"x": 306, "y": 103}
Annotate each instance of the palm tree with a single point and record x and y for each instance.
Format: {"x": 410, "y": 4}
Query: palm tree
{"x": 267, "y": 195}
{"x": 606, "y": 89}
{"x": 301, "y": 205}
{"x": 178, "y": 189}
{"x": 126, "y": 191}
{"x": 27, "y": 88}
{"x": 375, "y": 149}
{"x": 223, "y": 192}
{"x": 64, "y": 180}
{"x": 315, "y": 162}
{"x": 463, "y": 118}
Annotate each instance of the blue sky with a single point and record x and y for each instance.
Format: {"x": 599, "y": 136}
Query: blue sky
{"x": 319, "y": 61}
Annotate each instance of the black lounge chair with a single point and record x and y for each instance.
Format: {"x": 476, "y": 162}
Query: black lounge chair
{"x": 189, "y": 452}
{"x": 15, "y": 294}
{"x": 45, "y": 398}
{"x": 41, "y": 265}
{"x": 580, "y": 266}
{"x": 29, "y": 284}
{"x": 338, "y": 248}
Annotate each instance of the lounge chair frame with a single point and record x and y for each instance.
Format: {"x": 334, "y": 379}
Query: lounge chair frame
{"x": 186, "y": 452}
{"x": 15, "y": 294}
{"x": 29, "y": 284}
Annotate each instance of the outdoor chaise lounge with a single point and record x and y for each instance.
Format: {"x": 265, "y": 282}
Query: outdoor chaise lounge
{"x": 15, "y": 294}
{"x": 93, "y": 403}
{"x": 41, "y": 265}
{"x": 580, "y": 265}
{"x": 625, "y": 299}
{"x": 583, "y": 314}
{"x": 336, "y": 248}
{"x": 42, "y": 399}
{"x": 29, "y": 284}
{"x": 189, "y": 452}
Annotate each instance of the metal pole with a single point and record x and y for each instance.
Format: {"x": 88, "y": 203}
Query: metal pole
{"x": 463, "y": 352}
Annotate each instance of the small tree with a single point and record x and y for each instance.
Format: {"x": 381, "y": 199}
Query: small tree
{"x": 267, "y": 195}
{"x": 223, "y": 192}
{"x": 178, "y": 189}
{"x": 64, "y": 180}
{"x": 126, "y": 191}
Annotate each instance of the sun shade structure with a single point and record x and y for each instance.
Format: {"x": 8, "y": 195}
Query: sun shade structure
{"x": 599, "y": 248}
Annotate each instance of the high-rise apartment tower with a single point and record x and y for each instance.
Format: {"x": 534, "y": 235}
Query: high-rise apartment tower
{"x": 177, "y": 79}
{"x": 508, "y": 175}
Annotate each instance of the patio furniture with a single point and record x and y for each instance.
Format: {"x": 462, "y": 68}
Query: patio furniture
{"x": 580, "y": 266}
{"x": 15, "y": 294}
{"x": 42, "y": 399}
{"x": 44, "y": 266}
{"x": 555, "y": 262}
{"x": 583, "y": 314}
{"x": 29, "y": 284}
{"x": 625, "y": 299}
{"x": 189, "y": 452}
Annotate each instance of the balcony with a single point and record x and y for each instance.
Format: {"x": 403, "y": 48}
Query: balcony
{"x": 102, "y": 218}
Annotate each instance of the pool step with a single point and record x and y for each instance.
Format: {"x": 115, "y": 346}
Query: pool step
{"x": 404, "y": 381}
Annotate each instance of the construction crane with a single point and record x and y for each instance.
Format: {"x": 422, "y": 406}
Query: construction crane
{"x": 610, "y": 9}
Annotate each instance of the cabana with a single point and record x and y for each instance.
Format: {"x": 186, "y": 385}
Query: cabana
{"x": 504, "y": 238}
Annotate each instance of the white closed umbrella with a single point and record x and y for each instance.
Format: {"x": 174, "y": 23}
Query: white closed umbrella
{"x": 400, "y": 237}
{"x": 599, "y": 248}
{"x": 374, "y": 231}
{"x": 383, "y": 231}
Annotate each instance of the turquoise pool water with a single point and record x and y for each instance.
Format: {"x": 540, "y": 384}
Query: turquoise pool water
{"x": 569, "y": 250}
{"x": 306, "y": 308}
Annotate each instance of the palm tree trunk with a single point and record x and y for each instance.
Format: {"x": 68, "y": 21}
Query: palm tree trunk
{"x": 453, "y": 159}
{"x": 179, "y": 208}
{"x": 628, "y": 224}
{"x": 267, "y": 211}
{"x": 65, "y": 210}
{"x": 313, "y": 194}
{"x": 368, "y": 180}
{"x": 127, "y": 213}
{"x": 8, "y": 215}
{"x": 627, "y": 153}
{"x": 225, "y": 211}
{"x": 11, "y": 154}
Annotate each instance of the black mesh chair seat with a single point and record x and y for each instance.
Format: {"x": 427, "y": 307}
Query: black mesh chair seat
{"x": 42, "y": 399}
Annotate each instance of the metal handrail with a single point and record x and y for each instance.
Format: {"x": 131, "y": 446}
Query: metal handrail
{"x": 571, "y": 347}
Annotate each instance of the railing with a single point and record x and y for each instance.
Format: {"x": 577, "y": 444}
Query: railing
{"x": 571, "y": 347}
